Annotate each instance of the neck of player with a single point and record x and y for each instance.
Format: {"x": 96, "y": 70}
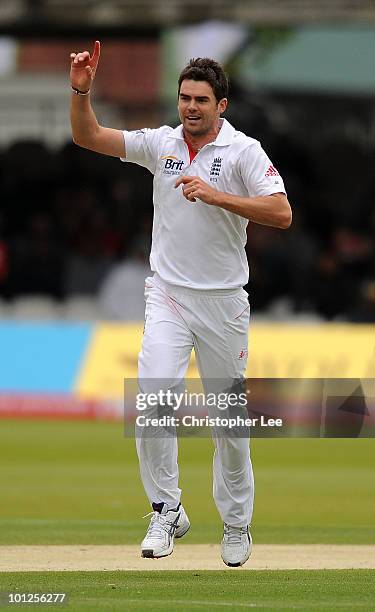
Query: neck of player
{"x": 198, "y": 142}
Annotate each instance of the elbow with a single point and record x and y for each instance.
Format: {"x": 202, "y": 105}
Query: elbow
{"x": 86, "y": 139}
{"x": 285, "y": 219}
{"x": 79, "y": 142}
{"x": 76, "y": 139}
{"x": 281, "y": 212}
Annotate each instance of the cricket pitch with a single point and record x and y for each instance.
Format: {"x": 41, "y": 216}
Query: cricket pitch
{"x": 185, "y": 557}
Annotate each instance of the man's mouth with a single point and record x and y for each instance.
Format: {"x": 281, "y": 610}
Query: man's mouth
{"x": 193, "y": 118}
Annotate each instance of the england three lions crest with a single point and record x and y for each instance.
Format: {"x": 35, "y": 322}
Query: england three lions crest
{"x": 215, "y": 169}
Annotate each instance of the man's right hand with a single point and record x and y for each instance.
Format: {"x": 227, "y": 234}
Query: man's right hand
{"x": 86, "y": 131}
{"x": 83, "y": 68}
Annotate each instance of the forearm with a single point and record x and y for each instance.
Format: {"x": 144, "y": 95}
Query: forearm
{"x": 273, "y": 210}
{"x": 84, "y": 124}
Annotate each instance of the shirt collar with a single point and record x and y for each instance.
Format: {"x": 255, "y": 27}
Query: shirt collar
{"x": 224, "y": 137}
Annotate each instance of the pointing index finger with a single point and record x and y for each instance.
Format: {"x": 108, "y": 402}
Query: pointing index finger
{"x": 96, "y": 53}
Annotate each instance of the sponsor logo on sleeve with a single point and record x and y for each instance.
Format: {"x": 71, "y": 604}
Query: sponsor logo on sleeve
{"x": 272, "y": 172}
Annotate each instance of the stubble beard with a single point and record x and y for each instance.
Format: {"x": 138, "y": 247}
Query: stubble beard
{"x": 198, "y": 132}
{"x": 201, "y": 130}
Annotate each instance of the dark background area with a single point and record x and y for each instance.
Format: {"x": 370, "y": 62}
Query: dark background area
{"x": 68, "y": 215}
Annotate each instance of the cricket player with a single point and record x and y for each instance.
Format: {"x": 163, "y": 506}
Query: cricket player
{"x": 209, "y": 182}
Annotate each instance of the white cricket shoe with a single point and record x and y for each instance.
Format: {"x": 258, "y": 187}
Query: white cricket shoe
{"x": 236, "y": 545}
{"x": 164, "y": 526}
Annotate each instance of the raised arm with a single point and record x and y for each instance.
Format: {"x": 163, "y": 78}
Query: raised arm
{"x": 86, "y": 131}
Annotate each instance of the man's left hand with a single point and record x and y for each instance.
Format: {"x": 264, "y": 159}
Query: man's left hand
{"x": 193, "y": 188}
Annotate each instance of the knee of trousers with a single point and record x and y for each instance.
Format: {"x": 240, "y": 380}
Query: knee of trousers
{"x": 233, "y": 451}
{"x": 161, "y": 385}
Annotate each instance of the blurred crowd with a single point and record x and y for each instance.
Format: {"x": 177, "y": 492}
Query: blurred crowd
{"x": 71, "y": 220}
{"x": 325, "y": 263}
{"x": 67, "y": 218}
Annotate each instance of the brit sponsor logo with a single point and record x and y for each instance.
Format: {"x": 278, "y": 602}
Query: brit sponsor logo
{"x": 243, "y": 354}
{"x": 172, "y": 165}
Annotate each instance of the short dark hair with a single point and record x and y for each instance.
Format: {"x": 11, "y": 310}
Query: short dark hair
{"x": 206, "y": 69}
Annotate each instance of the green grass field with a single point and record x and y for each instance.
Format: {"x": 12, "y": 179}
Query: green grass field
{"x": 308, "y": 590}
{"x": 70, "y": 483}
{"x": 78, "y": 483}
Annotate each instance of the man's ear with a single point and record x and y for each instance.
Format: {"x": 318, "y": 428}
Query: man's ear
{"x": 222, "y": 105}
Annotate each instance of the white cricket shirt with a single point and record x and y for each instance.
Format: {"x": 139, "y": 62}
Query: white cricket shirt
{"x": 193, "y": 244}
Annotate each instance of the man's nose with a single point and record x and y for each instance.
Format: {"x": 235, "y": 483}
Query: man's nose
{"x": 192, "y": 105}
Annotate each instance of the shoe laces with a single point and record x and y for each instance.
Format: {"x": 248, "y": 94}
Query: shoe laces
{"x": 159, "y": 523}
{"x": 234, "y": 535}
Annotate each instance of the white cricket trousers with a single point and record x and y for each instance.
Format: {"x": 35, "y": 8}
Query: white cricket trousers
{"x": 215, "y": 323}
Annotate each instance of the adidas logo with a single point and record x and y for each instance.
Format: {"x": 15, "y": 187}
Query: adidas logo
{"x": 272, "y": 172}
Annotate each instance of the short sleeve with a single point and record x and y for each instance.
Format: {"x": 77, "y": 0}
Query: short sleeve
{"x": 258, "y": 173}
{"x": 142, "y": 147}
